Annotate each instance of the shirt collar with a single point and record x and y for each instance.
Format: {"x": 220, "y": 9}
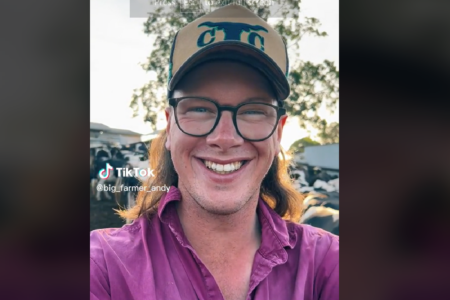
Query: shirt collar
{"x": 275, "y": 228}
{"x": 172, "y": 195}
{"x": 275, "y": 235}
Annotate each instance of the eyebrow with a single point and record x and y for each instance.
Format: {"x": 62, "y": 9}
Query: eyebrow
{"x": 256, "y": 99}
{"x": 271, "y": 101}
{"x": 246, "y": 100}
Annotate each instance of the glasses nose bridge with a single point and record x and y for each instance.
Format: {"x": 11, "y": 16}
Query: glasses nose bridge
{"x": 221, "y": 109}
{"x": 231, "y": 109}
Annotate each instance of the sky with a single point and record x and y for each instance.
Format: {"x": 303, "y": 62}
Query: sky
{"x": 119, "y": 45}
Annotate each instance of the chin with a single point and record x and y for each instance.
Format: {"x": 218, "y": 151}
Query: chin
{"x": 223, "y": 202}
{"x": 220, "y": 199}
{"x": 222, "y": 210}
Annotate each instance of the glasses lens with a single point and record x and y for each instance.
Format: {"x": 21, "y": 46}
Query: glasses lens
{"x": 196, "y": 116}
{"x": 256, "y": 121}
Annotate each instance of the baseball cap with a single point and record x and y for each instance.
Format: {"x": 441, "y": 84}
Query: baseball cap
{"x": 232, "y": 32}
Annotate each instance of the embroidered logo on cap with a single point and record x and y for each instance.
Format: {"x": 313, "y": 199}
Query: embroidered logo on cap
{"x": 232, "y": 32}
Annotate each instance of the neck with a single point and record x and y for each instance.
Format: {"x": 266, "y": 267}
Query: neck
{"x": 210, "y": 233}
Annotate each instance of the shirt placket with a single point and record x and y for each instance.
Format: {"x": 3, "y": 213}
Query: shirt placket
{"x": 202, "y": 280}
{"x": 270, "y": 254}
{"x": 262, "y": 267}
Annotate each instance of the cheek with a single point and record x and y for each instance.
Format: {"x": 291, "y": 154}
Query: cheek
{"x": 277, "y": 148}
{"x": 182, "y": 145}
{"x": 274, "y": 147}
{"x": 267, "y": 149}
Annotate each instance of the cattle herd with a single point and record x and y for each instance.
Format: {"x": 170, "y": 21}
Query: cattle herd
{"x": 129, "y": 157}
{"x": 321, "y": 190}
{"x": 320, "y": 187}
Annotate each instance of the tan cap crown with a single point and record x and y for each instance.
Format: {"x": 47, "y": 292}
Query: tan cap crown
{"x": 231, "y": 32}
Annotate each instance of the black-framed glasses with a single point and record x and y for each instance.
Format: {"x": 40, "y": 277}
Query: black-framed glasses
{"x": 199, "y": 116}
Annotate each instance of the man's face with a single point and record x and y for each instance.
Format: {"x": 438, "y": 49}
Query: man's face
{"x": 228, "y": 83}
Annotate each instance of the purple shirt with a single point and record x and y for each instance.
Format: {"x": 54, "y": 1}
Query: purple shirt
{"x": 149, "y": 260}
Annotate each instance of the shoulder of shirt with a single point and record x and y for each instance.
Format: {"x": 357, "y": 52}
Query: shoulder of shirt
{"x": 106, "y": 239}
{"x": 320, "y": 250}
{"x": 310, "y": 232}
{"x": 306, "y": 236}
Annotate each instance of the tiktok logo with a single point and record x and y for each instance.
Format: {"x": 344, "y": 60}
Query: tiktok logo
{"x": 105, "y": 173}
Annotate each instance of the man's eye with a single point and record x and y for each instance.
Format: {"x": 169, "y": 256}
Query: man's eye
{"x": 253, "y": 112}
{"x": 199, "y": 109}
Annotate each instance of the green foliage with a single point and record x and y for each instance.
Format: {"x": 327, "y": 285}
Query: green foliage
{"x": 312, "y": 85}
{"x": 329, "y": 133}
{"x": 299, "y": 145}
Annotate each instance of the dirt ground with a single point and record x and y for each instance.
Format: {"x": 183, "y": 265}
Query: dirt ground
{"x": 103, "y": 215}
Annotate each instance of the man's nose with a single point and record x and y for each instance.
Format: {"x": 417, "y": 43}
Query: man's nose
{"x": 225, "y": 135}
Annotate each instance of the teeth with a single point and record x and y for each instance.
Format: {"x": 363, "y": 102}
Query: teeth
{"x": 223, "y": 169}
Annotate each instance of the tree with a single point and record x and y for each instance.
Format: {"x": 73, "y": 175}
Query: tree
{"x": 329, "y": 133}
{"x": 312, "y": 85}
{"x": 299, "y": 145}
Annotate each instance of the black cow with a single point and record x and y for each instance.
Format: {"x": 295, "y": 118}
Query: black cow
{"x": 322, "y": 210}
{"x": 129, "y": 190}
{"x": 101, "y": 160}
{"x": 322, "y": 217}
{"x": 316, "y": 173}
{"x": 325, "y": 199}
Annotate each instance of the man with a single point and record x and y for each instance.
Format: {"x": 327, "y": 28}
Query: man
{"x": 218, "y": 233}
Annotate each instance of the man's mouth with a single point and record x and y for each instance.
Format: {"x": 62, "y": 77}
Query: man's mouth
{"x": 224, "y": 168}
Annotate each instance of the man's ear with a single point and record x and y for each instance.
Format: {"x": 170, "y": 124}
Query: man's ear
{"x": 168, "y": 112}
{"x": 279, "y": 133}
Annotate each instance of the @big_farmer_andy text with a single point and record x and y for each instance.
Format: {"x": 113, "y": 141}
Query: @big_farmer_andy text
{"x": 125, "y": 188}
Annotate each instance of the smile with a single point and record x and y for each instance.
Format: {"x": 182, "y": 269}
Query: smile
{"x": 225, "y": 168}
